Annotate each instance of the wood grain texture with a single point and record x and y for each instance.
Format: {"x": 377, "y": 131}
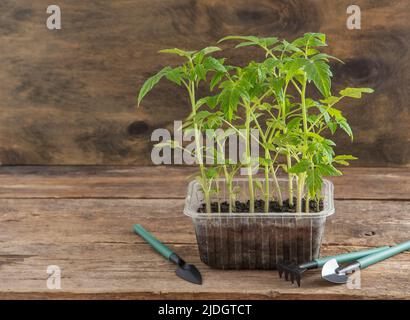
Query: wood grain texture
{"x": 100, "y": 257}
{"x": 81, "y": 218}
{"x": 68, "y": 96}
{"x": 149, "y": 182}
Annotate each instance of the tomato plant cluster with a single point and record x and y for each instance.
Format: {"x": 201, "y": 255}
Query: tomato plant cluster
{"x": 273, "y": 97}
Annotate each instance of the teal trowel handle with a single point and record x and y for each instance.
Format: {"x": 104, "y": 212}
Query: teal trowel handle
{"x": 155, "y": 243}
{"x": 380, "y": 256}
{"x": 351, "y": 256}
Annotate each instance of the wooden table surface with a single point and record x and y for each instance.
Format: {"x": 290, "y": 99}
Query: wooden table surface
{"x": 81, "y": 218}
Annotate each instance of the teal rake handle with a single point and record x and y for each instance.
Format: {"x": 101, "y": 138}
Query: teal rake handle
{"x": 155, "y": 243}
{"x": 347, "y": 257}
{"x": 380, "y": 256}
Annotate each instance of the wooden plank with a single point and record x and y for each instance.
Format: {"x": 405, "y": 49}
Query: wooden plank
{"x": 68, "y": 96}
{"x": 148, "y": 182}
{"x": 92, "y": 242}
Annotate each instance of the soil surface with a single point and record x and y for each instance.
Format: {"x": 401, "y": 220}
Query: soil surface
{"x": 242, "y": 207}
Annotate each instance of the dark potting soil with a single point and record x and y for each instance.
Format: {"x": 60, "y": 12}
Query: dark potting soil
{"x": 257, "y": 243}
{"x": 242, "y": 207}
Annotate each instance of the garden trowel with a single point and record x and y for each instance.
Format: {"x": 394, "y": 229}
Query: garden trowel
{"x": 185, "y": 271}
{"x": 332, "y": 272}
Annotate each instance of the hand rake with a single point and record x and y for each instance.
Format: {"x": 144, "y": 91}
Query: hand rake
{"x": 294, "y": 271}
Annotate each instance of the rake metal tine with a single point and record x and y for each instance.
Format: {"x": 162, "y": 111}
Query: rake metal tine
{"x": 280, "y": 270}
{"x": 292, "y": 277}
{"x": 298, "y": 279}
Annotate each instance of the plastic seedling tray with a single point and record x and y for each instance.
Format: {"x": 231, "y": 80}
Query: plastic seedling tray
{"x": 257, "y": 240}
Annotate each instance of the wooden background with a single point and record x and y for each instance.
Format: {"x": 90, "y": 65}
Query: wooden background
{"x": 68, "y": 96}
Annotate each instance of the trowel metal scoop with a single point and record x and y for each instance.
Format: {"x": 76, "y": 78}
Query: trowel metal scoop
{"x": 294, "y": 271}
{"x": 185, "y": 271}
{"x": 332, "y": 272}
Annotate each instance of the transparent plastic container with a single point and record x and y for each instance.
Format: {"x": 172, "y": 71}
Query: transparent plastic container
{"x": 258, "y": 240}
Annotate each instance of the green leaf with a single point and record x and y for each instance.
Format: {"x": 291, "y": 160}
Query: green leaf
{"x": 179, "y": 52}
{"x": 216, "y": 79}
{"x": 232, "y": 92}
{"x": 200, "y": 72}
{"x": 175, "y": 75}
{"x": 332, "y": 126}
{"x": 301, "y": 166}
{"x": 314, "y": 181}
{"x": 211, "y": 173}
{"x": 328, "y": 152}
{"x": 315, "y": 136}
{"x": 209, "y": 50}
{"x": 336, "y": 113}
{"x": 261, "y": 74}
{"x": 311, "y": 40}
{"x": 342, "y": 159}
{"x": 210, "y": 101}
{"x": 151, "y": 82}
{"x": 319, "y": 72}
{"x": 325, "y": 57}
{"x": 355, "y": 92}
{"x": 277, "y": 85}
{"x": 294, "y": 123}
{"x": 322, "y": 150}
{"x": 324, "y": 112}
{"x": 265, "y": 161}
{"x": 269, "y": 41}
{"x": 199, "y": 56}
{"x": 331, "y": 100}
{"x": 211, "y": 63}
{"x": 252, "y": 39}
{"x": 288, "y": 47}
{"x": 214, "y": 121}
{"x": 229, "y": 100}
{"x": 316, "y": 35}
{"x": 271, "y": 63}
{"x": 311, "y": 52}
{"x": 329, "y": 142}
{"x": 345, "y": 157}
{"x": 294, "y": 67}
{"x": 346, "y": 128}
{"x": 328, "y": 170}
{"x": 245, "y": 44}
{"x": 201, "y": 115}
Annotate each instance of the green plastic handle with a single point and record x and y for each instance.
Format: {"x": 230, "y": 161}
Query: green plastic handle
{"x": 155, "y": 243}
{"x": 380, "y": 256}
{"x": 351, "y": 256}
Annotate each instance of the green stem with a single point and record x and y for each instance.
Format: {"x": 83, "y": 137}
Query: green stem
{"x": 322, "y": 114}
{"x": 248, "y": 159}
{"x": 288, "y": 158}
{"x": 304, "y": 111}
{"x": 231, "y": 202}
{"x": 290, "y": 179}
{"x": 228, "y": 181}
{"x": 191, "y": 90}
{"x": 277, "y": 186}
{"x": 217, "y": 193}
{"x": 267, "y": 192}
{"x": 268, "y": 156}
{"x": 301, "y": 184}
{"x": 307, "y": 202}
